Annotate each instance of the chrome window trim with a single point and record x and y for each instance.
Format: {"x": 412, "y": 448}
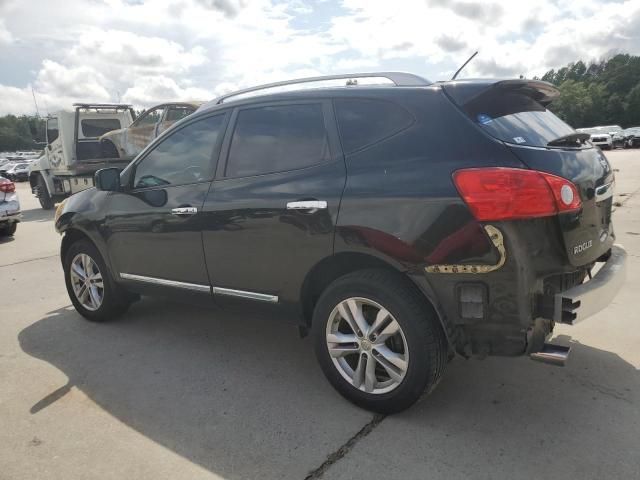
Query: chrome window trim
{"x": 244, "y": 294}
{"x": 166, "y": 283}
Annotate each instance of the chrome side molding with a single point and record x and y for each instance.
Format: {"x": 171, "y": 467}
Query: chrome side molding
{"x": 230, "y": 292}
{"x": 166, "y": 283}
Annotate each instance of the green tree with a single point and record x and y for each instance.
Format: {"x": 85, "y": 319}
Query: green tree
{"x": 574, "y": 103}
{"x": 20, "y": 133}
{"x": 603, "y": 92}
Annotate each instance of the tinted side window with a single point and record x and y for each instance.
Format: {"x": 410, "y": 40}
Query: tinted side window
{"x": 364, "y": 122}
{"x": 183, "y": 157}
{"x": 276, "y": 139}
{"x": 94, "y": 127}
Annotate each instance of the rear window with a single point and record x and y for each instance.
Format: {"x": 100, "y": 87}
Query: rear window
{"x": 516, "y": 118}
{"x": 364, "y": 122}
{"x": 95, "y": 127}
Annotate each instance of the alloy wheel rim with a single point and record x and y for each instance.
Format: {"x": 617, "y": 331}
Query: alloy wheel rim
{"x": 87, "y": 282}
{"x": 367, "y": 345}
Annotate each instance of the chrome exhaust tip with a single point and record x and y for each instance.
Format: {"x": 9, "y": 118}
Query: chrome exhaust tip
{"x": 552, "y": 354}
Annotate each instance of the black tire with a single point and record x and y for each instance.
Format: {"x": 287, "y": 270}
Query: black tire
{"x": 115, "y": 300}
{"x": 9, "y": 229}
{"x": 46, "y": 202}
{"x": 427, "y": 345}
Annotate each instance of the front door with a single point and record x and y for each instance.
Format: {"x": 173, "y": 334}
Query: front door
{"x": 271, "y": 212}
{"x": 153, "y": 230}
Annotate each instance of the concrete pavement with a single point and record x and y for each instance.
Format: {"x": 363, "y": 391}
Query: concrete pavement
{"x": 174, "y": 391}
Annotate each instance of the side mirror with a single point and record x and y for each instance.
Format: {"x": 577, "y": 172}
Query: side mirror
{"x": 108, "y": 179}
{"x": 49, "y": 147}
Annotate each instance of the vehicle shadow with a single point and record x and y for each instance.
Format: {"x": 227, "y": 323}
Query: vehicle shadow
{"x": 243, "y": 398}
{"x": 37, "y": 215}
{"x": 238, "y": 395}
{"x": 6, "y": 239}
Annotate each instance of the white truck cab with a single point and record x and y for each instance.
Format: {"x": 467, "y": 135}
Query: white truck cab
{"x": 73, "y": 152}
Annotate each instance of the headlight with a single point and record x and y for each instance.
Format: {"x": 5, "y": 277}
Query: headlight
{"x": 59, "y": 210}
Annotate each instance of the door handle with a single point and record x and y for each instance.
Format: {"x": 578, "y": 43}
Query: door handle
{"x": 184, "y": 211}
{"x": 307, "y": 205}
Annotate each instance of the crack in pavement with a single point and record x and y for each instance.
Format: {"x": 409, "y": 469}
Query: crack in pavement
{"x": 29, "y": 260}
{"x": 345, "y": 448}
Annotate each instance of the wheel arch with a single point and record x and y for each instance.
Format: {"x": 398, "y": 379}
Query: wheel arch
{"x": 331, "y": 268}
{"x": 71, "y": 236}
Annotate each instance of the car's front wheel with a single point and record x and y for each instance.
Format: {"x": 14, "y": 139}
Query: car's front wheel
{"x": 377, "y": 341}
{"x": 89, "y": 285}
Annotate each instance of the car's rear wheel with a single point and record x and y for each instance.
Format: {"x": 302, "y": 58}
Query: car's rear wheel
{"x": 377, "y": 341}
{"x": 90, "y": 286}
{"x": 9, "y": 229}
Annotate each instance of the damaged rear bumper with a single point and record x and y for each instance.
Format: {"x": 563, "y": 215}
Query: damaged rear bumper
{"x": 588, "y": 298}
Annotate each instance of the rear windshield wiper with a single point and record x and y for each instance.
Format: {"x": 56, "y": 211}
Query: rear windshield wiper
{"x": 572, "y": 140}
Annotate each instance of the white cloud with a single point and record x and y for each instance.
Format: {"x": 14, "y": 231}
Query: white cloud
{"x": 6, "y": 37}
{"x": 150, "y": 90}
{"x": 148, "y": 52}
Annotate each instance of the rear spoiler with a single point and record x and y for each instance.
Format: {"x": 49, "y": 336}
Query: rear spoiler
{"x": 465, "y": 91}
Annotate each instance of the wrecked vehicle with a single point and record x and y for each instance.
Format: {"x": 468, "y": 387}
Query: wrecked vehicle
{"x": 350, "y": 210}
{"x": 73, "y": 153}
{"x": 130, "y": 140}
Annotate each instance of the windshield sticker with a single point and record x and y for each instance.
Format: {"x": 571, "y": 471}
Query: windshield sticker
{"x": 519, "y": 140}
{"x": 484, "y": 119}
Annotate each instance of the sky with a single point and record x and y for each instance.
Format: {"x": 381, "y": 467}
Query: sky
{"x": 148, "y": 52}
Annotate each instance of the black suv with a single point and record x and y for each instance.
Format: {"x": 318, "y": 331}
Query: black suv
{"x": 401, "y": 224}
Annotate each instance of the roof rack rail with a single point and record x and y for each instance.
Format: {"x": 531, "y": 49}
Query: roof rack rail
{"x": 102, "y": 105}
{"x": 399, "y": 79}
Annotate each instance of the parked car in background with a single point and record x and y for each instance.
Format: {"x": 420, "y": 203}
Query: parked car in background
{"x": 25, "y": 155}
{"x": 19, "y": 172}
{"x": 606, "y": 137}
{"x": 127, "y": 142}
{"x": 350, "y": 211}
{"x": 632, "y": 137}
{"x": 9, "y": 207}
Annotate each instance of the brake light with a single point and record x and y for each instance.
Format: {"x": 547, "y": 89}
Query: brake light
{"x": 512, "y": 193}
{"x": 7, "y": 186}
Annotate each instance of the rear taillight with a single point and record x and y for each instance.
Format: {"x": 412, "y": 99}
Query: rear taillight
{"x": 7, "y": 186}
{"x": 512, "y": 193}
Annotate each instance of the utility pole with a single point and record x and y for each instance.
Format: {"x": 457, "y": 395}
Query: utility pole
{"x": 35, "y": 103}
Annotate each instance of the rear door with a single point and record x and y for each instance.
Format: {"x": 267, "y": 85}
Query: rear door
{"x": 515, "y": 112}
{"x": 272, "y": 210}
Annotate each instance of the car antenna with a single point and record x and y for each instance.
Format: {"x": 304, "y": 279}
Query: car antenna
{"x": 463, "y": 65}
